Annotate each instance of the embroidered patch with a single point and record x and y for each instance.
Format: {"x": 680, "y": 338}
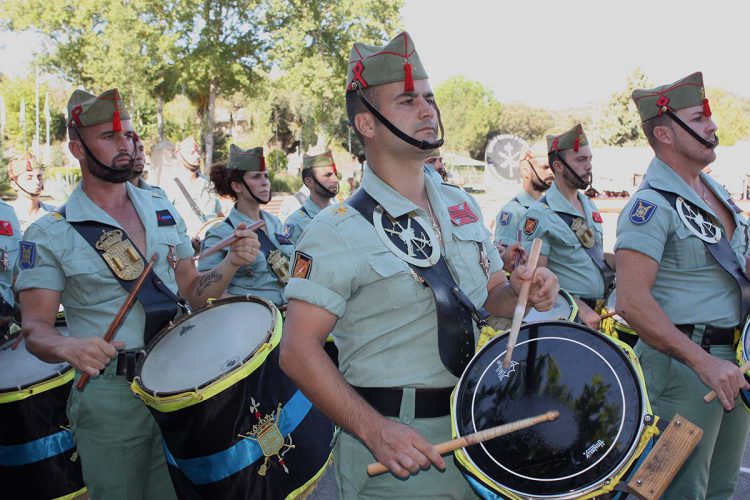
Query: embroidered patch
{"x": 283, "y": 238}
{"x": 530, "y": 225}
{"x": 4, "y": 261}
{"x": 57, "y": 215}
{"x": 164, "y": 218}
{"x": 6, "y": 229}
{"x": 597, "y": 217}
{"x": 461, "y": 214}
{"x": 27, "y": 259}
{"x": 505, "y": 218}
{"x": 734, "y": 206}
{"x": 642, "y": 211}
{"x": 302, "y": 265}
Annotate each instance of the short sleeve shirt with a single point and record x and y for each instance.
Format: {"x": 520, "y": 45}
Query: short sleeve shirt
{"x": 10, "y": 235}
{"x": 510, "y": 218}
{"x": 296, "y": 223}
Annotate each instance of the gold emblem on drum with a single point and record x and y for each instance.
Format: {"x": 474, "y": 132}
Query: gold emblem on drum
{"x": 268, "y": 436}
{"x": 120, "y": 255}
{"x": 584, "y": 233}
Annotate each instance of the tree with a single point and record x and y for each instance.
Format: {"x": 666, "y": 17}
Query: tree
{"x": 469, "y": 112}
{"x": 731, "y": 114}
{"x": 619, "y": 123}
{"x": 525, "y": 121}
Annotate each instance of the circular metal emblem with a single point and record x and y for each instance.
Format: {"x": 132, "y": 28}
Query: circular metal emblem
{"x": 503, "y": 156}
{"x": 698, "y": 221}
{"x": 410, "y": 237}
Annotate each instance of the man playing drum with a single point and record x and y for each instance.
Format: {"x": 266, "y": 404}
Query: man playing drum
{"x": 87, "y": 255}
{"x": 681, "y": 246}
{"x": 369, "y": 271}
{"x": 570, "y": 226}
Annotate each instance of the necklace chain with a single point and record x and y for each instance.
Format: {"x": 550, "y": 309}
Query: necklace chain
{"x": 435, "y": 224}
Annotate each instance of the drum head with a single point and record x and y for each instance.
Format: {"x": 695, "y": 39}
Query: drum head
{"x": 20, "y": 369}
{"x": 559, "y": 366}
{"x": 561, "y": 310}
{"x": 205, "y": 345}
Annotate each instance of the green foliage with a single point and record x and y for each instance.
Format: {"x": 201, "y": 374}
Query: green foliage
{"x": 525, "y": 121}
{"x": 285, "y": 183}
{"x": 276, "y": 161}
{"x": 619, "y": 123}
{"x": 731, "y": 114}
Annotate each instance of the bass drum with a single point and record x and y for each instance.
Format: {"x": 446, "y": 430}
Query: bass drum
{"x": 564, "y": 309}
{"x": 234, "y": 425}
{"x": 593, "y": 381}
{"x": 616, "y": 326}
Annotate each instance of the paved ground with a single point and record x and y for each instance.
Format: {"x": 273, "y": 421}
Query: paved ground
{"x": 742, "y": 492}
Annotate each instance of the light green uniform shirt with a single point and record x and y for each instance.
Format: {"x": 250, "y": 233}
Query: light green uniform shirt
{"x": 566, "y": 256}
{"x": 299, "y": 220}
{"x": 149, "y": 187}
{"x": 510, "y": 218}
{"x": 66, "y": 263}
{"x": 257, "y": 278}
{"x": 690, "y": 286}
{"x": 10, "y": 235}
{"x": 387, "y": 325}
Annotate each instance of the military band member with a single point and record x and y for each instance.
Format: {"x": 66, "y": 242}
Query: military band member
{"x": 10, "y": 236}
{"x": 139, "y": 165}
{"x": 87, "y": 256}
{"x": 365, "y": 271}
{"x": 570, "y": 226}
{"x": 435, "y": 161}
{"x": 244, "y": 178}
{"x": 27, "y": 180}
{"x": 681, "y": 247}
{"x": 321, "y": 178}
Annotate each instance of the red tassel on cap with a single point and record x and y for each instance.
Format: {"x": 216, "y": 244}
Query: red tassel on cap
{"x": 408, "y": 79}
{"x": 334, "y": 168}
{"x": 116, "y": 124}
{"x": 262, "y": 163}
{"x": 577, "y": 144}
{"x": 706, "y": 108}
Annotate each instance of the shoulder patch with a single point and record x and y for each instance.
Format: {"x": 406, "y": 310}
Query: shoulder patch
{"x": 6, "y": 228}
{"x": 165, "y": 218}
{"x": 642, "y": 211}
{"x": 597, "y": 217}
{"x": 302, "y": 265}
{"x": 530, "y": 225}
{"x": 283, "y": 238}
{"x": 27, "y": 257}
{"x": 462, "y": 214}
{"x": 505, "y": 218}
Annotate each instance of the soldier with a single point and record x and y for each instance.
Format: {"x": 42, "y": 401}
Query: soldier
{"x": 320, "y": 176}
{"x": 138, "y": 165}
{"x": 87, "y": 255}
{"x": 27, "y": 180}
{"x": 366, "y": 271}
{"x": 681, "y": 250}
{"x": 244, "y": 178}
{"x": 570, "y": 226}
{"x": 435, "y": 161}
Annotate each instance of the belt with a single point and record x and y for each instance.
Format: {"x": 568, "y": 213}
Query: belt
{"x": 711, "y": 335}
{"x": 428, "y": 403}
{"x": 126, "y": 361}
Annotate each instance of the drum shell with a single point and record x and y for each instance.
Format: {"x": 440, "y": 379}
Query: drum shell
{"x": 743, "y": 355}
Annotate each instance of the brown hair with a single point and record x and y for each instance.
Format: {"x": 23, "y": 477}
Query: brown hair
{"x": 222, "y": 179}
{"x": 649, "y": 125}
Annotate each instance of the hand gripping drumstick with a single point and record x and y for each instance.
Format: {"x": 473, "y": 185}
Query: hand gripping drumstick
{"x": 712, "y": 395}
{"x": 227, "y": 241}
{"x": 124, "y": 308}
{"x": 477, "y": 437}
{"x": 607, "y": 315}
{"x": 523, "y": 298}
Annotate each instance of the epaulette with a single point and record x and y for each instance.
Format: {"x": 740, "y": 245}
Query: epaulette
{"x": 452, "y": 185}
{"x": 334, "y": 214}
{"x": 48, "y": 219}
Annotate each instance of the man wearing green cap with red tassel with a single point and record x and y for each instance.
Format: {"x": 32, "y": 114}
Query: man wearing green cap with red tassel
{"x": 681, "y": 254}
{"x": 376, "y": 272}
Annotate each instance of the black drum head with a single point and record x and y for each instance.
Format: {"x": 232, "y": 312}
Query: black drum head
{"x": 556, "y": 366}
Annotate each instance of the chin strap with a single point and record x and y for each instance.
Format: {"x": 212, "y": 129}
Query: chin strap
{"x": 696, "y": 136}
{"x": 541, "y": 182}
{"x": 270, "y": 193}
{"x": 333, "y": 195}
{"x": 423, "y": 145}
{"x": 102, "y": 165}
{"x": 570, "y": 169}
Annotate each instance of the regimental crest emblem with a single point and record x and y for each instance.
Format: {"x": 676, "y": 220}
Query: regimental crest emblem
{"x": 584, "y": 233}
{"x": 698, "y": 221}
{"x": 120, "y": 255}
{"x": 530, "y": 225}
{"x": 642, "y": 211}
{"x": 268, "y": 436}
{"x": 27, "y": 257}
{"x": 410, "y": 237}
{"x": 505, "y": 218}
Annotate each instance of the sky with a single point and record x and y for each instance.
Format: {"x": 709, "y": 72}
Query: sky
{"x": 566, "y": 54}
{"x": 555, "y": 54}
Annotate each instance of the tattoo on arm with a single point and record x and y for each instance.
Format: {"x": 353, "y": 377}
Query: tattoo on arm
{"x": 207, "y": 280}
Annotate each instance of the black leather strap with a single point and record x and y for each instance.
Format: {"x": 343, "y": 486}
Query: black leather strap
{"x": 428, "y": 403}
{"x": 126, "y": 362}
{"x": 711, "y": 335}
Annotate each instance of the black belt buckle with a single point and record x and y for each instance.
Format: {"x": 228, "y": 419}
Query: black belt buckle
{"x": 126, "y": 361}
{"x": 428, "y": 403}
{"x": 711, "y": 335}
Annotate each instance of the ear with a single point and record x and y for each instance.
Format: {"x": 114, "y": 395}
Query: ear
{"x": 365, "y": 124}
{"x": 236, "y": 187}
{"x": 76, "y": 149}
{"x": 663, "y": 134}
{"x": 308, "y": 181}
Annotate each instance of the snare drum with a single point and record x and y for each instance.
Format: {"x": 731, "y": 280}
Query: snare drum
{"x": 743, "y": 356}
{"x": 564, "y": 309}
{"x": 594, "y": 382}
{"x": 616, "y": 326}
{"x": 234, "y": 425}
{"x": 37, "y": 452}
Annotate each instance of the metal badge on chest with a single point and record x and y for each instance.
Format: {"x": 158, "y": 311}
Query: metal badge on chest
{"x": 698, "y": 221}
{"x": 410, "y": 237}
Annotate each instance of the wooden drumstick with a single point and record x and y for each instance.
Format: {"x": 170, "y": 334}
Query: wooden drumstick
{"x": 124, "y": 308}
{"x": 523, "y": 298}
{"x": 477, "y": 437}
{"x": 712, "y": 395}
{"x": 607, "y": 315}
{"x": 227, "y": 241}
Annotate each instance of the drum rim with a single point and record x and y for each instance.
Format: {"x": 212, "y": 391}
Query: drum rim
{"x": 621, "y": 349}
{"x": 138, "y": 382}
{"x": 571, "y": 302}
{"x": 19, "y": 392}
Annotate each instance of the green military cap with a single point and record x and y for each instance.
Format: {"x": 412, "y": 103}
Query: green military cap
{"x": 397, "y": 61}
{"x": 324, "y": 159}
{"x": 86, "y": 109}
{"x": 435, "y": 154}
{"x": 684, "y": 93}
{"x": 572, "y": 139}
{"x": 536, "y": 150}
{"x": 249, "y": 160}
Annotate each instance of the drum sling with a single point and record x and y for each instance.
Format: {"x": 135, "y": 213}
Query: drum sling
{"x": 159, "y": 302}
{"x": 596, "y": 252}
{"x": 721, "y": 252}
{"x": 455, "y": 311}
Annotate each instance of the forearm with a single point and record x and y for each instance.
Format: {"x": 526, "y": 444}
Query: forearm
{"x": 501, "y": 301}
{"x": 43, "y": 341}
{"x": 211, "y": 284}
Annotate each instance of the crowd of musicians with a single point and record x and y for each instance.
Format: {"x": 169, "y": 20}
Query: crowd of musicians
{"x": 400, "y": 277}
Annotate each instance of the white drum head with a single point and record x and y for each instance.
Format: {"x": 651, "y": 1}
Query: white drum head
{"x": 205, "y": 345}
{"x": 561, "y": 310}
{"x": 20, "y": 369}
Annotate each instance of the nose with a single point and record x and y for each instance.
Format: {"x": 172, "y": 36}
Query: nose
{"x": 712, "y": 127}
{"x": 125, "y": 143}
{"x": 426, "y": 109}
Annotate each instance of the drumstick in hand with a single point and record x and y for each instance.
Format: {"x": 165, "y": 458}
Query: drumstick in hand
{"x": 227, "y": 241}
{"x": 477, "y": 437}
{"x": 523, "y": 298}
{"x": 124, "y": 308}
{"x": 712, "y": 395}
{"x": 608, "y": 315}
